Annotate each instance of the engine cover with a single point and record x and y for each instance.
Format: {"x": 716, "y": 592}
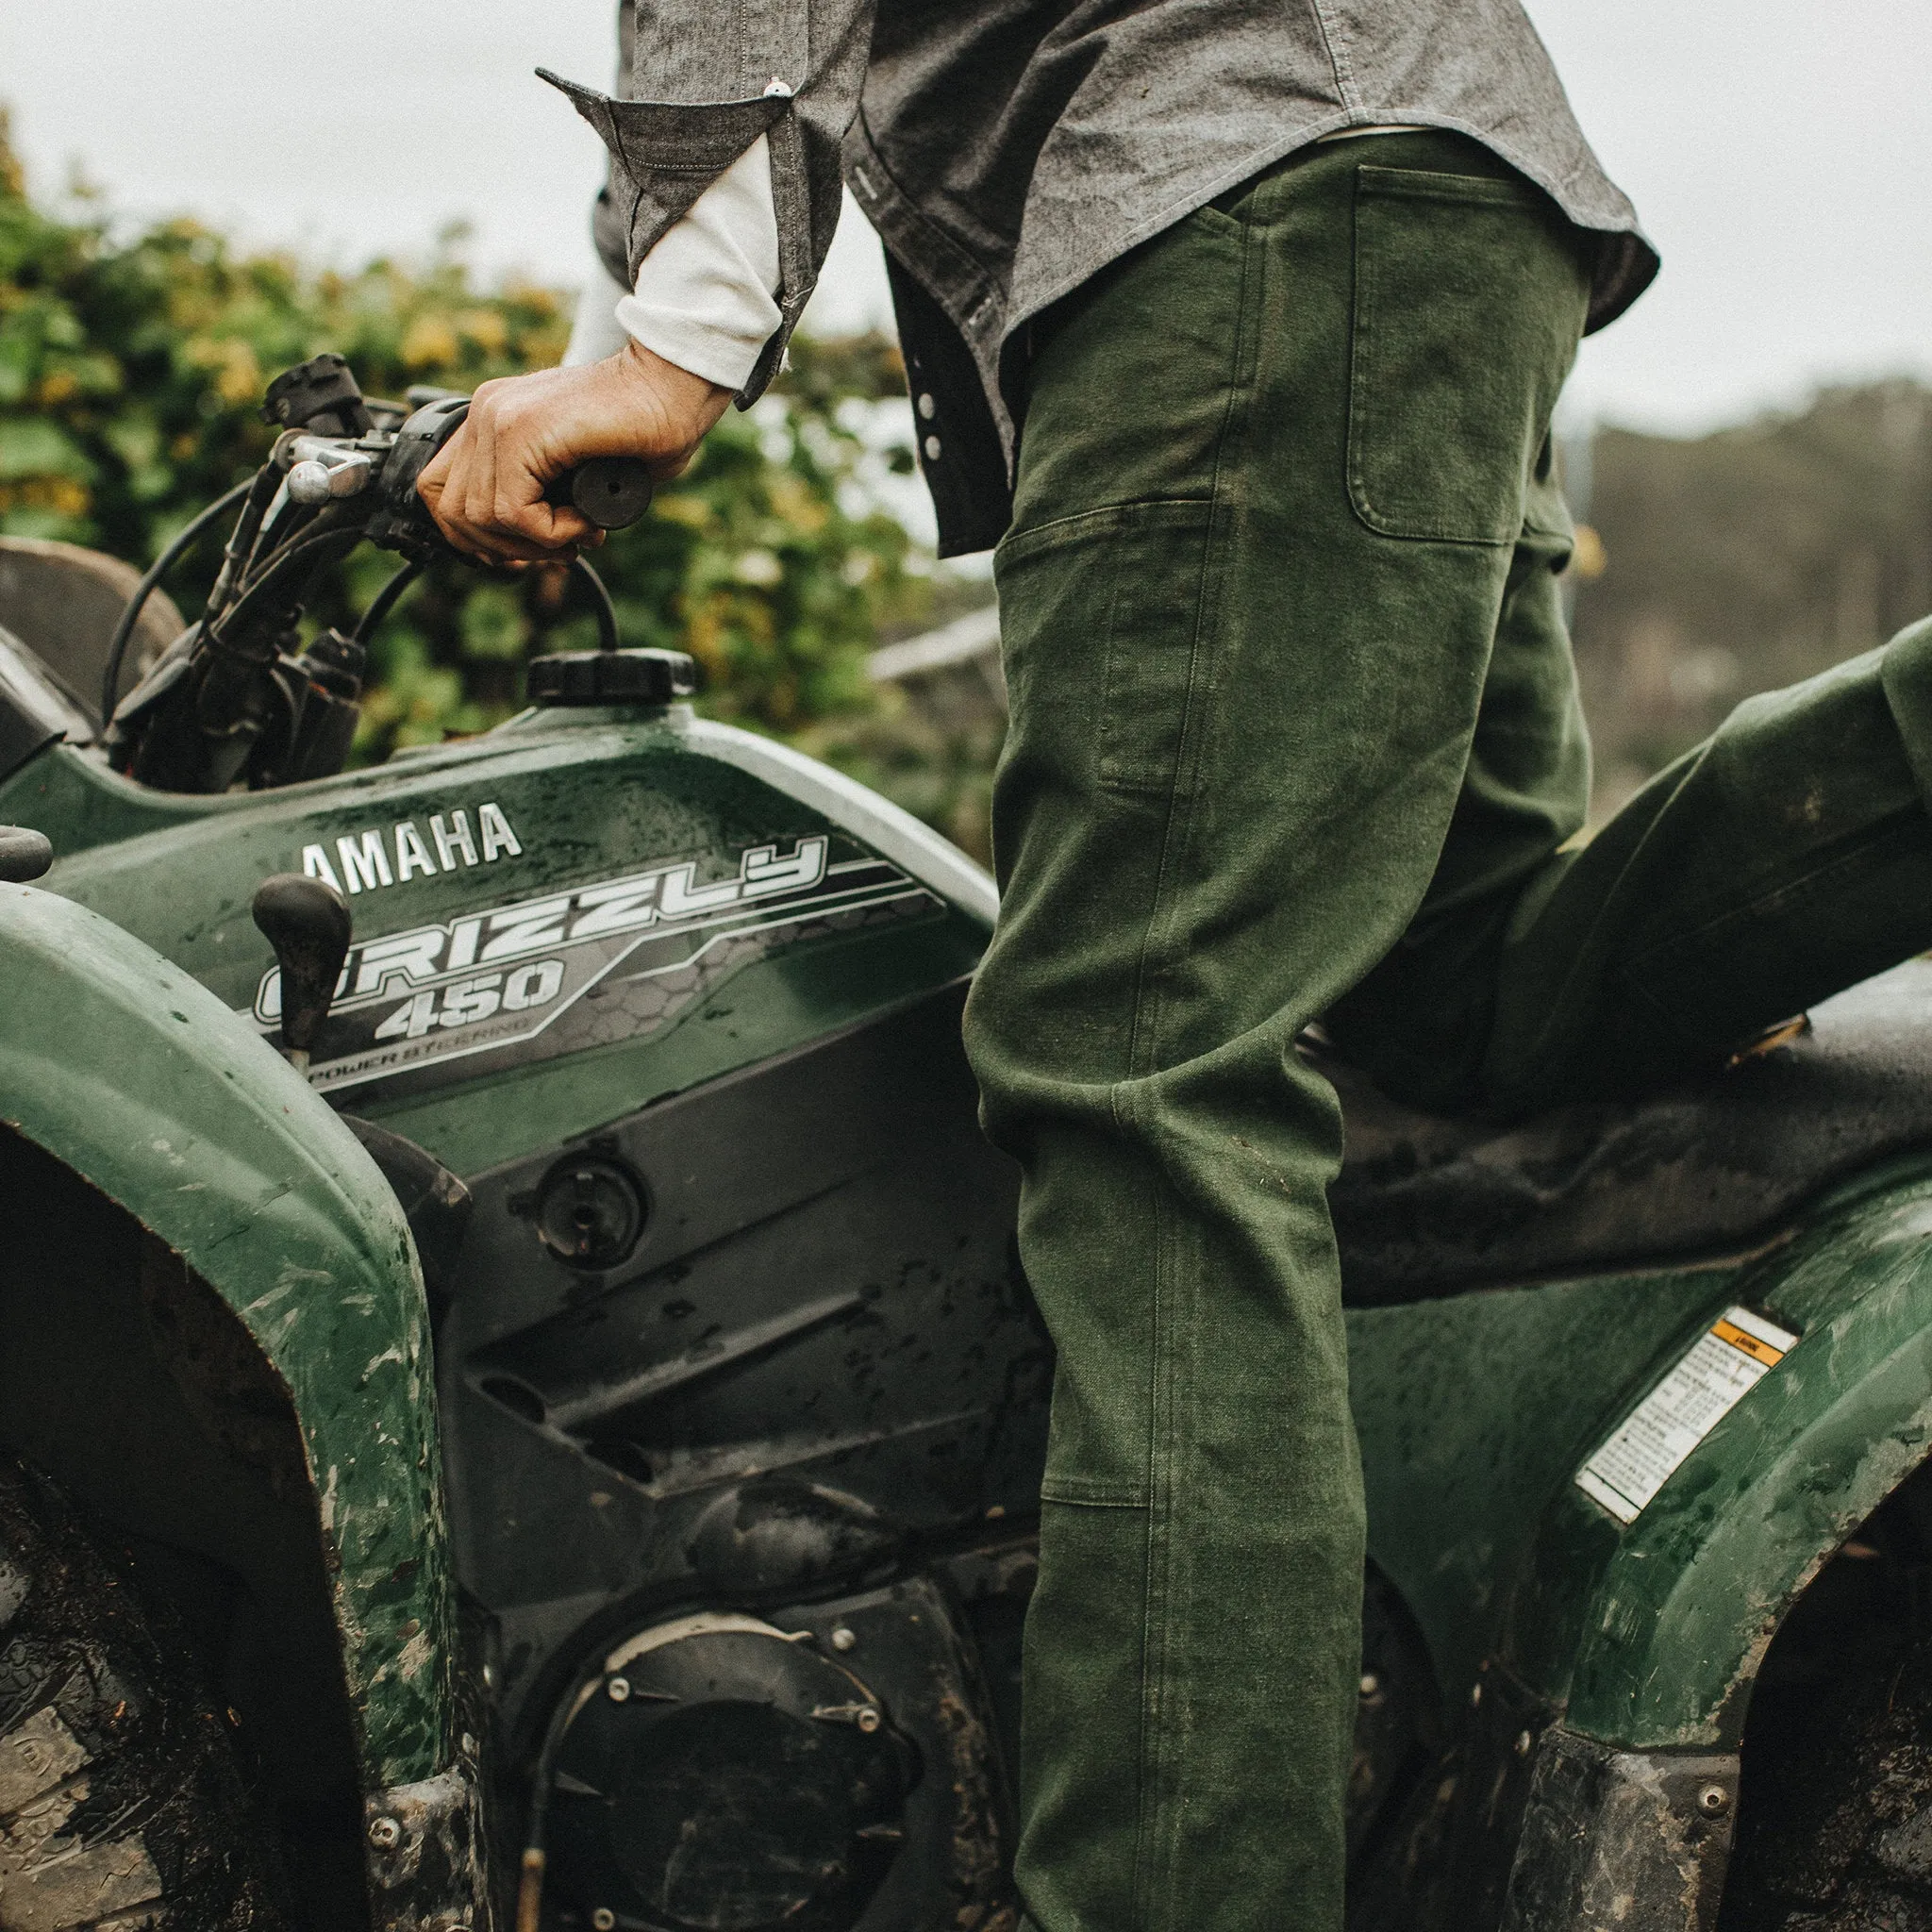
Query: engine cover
{"x": 722, "y": 1775}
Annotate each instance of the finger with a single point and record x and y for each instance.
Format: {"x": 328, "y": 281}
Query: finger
{"x": 480, "y": 472}
{"x": 507, "y": 508}
{"x": 456, "y": 504}
{"x": 560, "y": 526}
{"x": 433, "y": 484}
{"x": 498, "y": 550}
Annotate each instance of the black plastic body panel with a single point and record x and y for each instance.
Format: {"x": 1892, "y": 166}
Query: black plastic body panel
{"x": 822, "y": 1329}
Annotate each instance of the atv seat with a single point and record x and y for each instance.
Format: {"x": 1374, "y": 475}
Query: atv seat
{"x": 1426, "y": 1207}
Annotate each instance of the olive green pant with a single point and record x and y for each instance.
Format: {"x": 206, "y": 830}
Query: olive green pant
{"x": 1295, "y": 737}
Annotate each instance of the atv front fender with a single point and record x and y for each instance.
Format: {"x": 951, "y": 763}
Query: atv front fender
{"x": 127, "y": 1071}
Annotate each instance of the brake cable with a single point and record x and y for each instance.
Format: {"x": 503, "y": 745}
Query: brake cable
{"x": 386, "y": 600}
{"x": 117, "y": 648}
{"x": 607, "y": 610}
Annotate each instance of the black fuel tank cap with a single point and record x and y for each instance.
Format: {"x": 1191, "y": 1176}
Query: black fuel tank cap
{"x": 612, "y": 677}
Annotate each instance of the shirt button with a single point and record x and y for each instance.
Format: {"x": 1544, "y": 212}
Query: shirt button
{"x": 932, "y": 449}
{"x": 927, "y": 408}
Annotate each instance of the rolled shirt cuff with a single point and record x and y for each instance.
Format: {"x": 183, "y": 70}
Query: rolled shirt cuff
{"x": 705, "y": 294}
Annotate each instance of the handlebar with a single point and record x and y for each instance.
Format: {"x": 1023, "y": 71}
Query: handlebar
{"x": 233, "y": 700}
{"x": 610, "y": 491}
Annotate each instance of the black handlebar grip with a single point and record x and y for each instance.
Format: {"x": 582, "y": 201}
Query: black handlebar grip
{"x": 611, "y": 491}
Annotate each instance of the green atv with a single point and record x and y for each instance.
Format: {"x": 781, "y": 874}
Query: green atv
{"x": 519, "y": 1403}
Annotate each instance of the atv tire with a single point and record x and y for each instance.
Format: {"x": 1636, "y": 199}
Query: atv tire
{"x": 122, "y": 1805}
{"x": 1835, "y": 1819}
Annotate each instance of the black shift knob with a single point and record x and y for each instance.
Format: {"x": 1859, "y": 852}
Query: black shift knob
{"x": 308, "y": 925}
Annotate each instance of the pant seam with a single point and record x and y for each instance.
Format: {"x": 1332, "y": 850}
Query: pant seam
{"x": 1165, "y": 1740}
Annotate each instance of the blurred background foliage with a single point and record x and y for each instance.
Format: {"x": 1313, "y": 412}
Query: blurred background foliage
{"x": 1732, "y": 563}
{"x": 132, "y": 366}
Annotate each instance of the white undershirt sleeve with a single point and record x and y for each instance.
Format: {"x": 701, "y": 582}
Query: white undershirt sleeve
{"x": 704, "y": 293}
{"x": 595, "y": 332}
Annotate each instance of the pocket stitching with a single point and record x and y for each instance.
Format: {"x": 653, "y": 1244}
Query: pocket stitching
{"x": 1023, "y": 543}
{"x": 1216, "y": 220}
{"x": 1361, "y": 413}
{"x": 1089, "y": 1493}
{"x": 1111, "y": 769}
{"x": 1425, "y": 184}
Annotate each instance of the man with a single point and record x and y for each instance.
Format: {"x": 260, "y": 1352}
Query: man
{"x": 1240, "y": 327}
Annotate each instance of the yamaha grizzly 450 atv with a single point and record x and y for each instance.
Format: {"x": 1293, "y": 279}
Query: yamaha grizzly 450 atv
{"x": 558, "y": 1442}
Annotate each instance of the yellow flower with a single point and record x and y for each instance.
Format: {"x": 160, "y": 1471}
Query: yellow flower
{"x": 237, "y": 374}
{"x": 486, "y": 328}
{"x": 689, "y": 510}
{"x": 239, "y": 379}
{"x": 798, "y": 505}
{"x": 61, "y": 494}
{"x": 429, "y": 343}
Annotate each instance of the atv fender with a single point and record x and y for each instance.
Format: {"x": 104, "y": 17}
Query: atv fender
{"x": 131, "y": 1074}
{"x": 1678, "y": 1608}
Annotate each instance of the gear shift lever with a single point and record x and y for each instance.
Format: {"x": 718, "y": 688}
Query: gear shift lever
{"x": 24, "y": 854}
{"x": 307, "y": 923}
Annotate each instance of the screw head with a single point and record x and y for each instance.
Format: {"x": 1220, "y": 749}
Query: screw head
{"x": 868, "y": 1719}
{"x": 1713, "y": 1801}
{"x": 844, "y": 1638}
{"x": 384, "y": 1833}
{"x": 619, "y": 1689}
{"x": 603, "y": 1919}
{"x": 1525, "y": 1744}
{"x": 1372, "y": 1685}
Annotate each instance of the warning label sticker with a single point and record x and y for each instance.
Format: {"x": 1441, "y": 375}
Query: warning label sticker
{"x": 1731, "y": 1357}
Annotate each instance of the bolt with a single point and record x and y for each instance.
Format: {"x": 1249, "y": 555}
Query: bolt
{"x": 1524, "y": 1743}
{"x": 384, "y": 1833}
{"x": 1713, "y": 1801}
{"x": 868, "y": 1719}
{"x": 618, "y": 1689}
{"x": 1372, "y": 1685}
{"x": 603, "y": 1919}
{"x": 844, "y": 1638}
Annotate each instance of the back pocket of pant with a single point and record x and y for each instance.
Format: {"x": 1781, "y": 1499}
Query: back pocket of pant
{"x": 1461, "y": 340}
{"x": 1102, "y": 621}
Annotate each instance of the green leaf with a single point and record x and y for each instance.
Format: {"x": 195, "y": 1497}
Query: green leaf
{"x": 493, "y": 624}
{"x": 33, "y": 446}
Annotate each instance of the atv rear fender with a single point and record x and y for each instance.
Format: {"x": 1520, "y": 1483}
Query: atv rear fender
{"x": 1637, "y": 1647}
{"x": 129, "y": 1074}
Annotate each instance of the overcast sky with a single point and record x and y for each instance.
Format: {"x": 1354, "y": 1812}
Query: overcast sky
{"x": 1778, "y": 151}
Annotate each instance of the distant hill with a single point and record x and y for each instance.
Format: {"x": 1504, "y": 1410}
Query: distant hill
{"x": 1746, "y": 559}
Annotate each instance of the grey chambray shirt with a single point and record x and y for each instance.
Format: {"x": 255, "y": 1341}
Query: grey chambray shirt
{"x": 1006, "y": 150}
